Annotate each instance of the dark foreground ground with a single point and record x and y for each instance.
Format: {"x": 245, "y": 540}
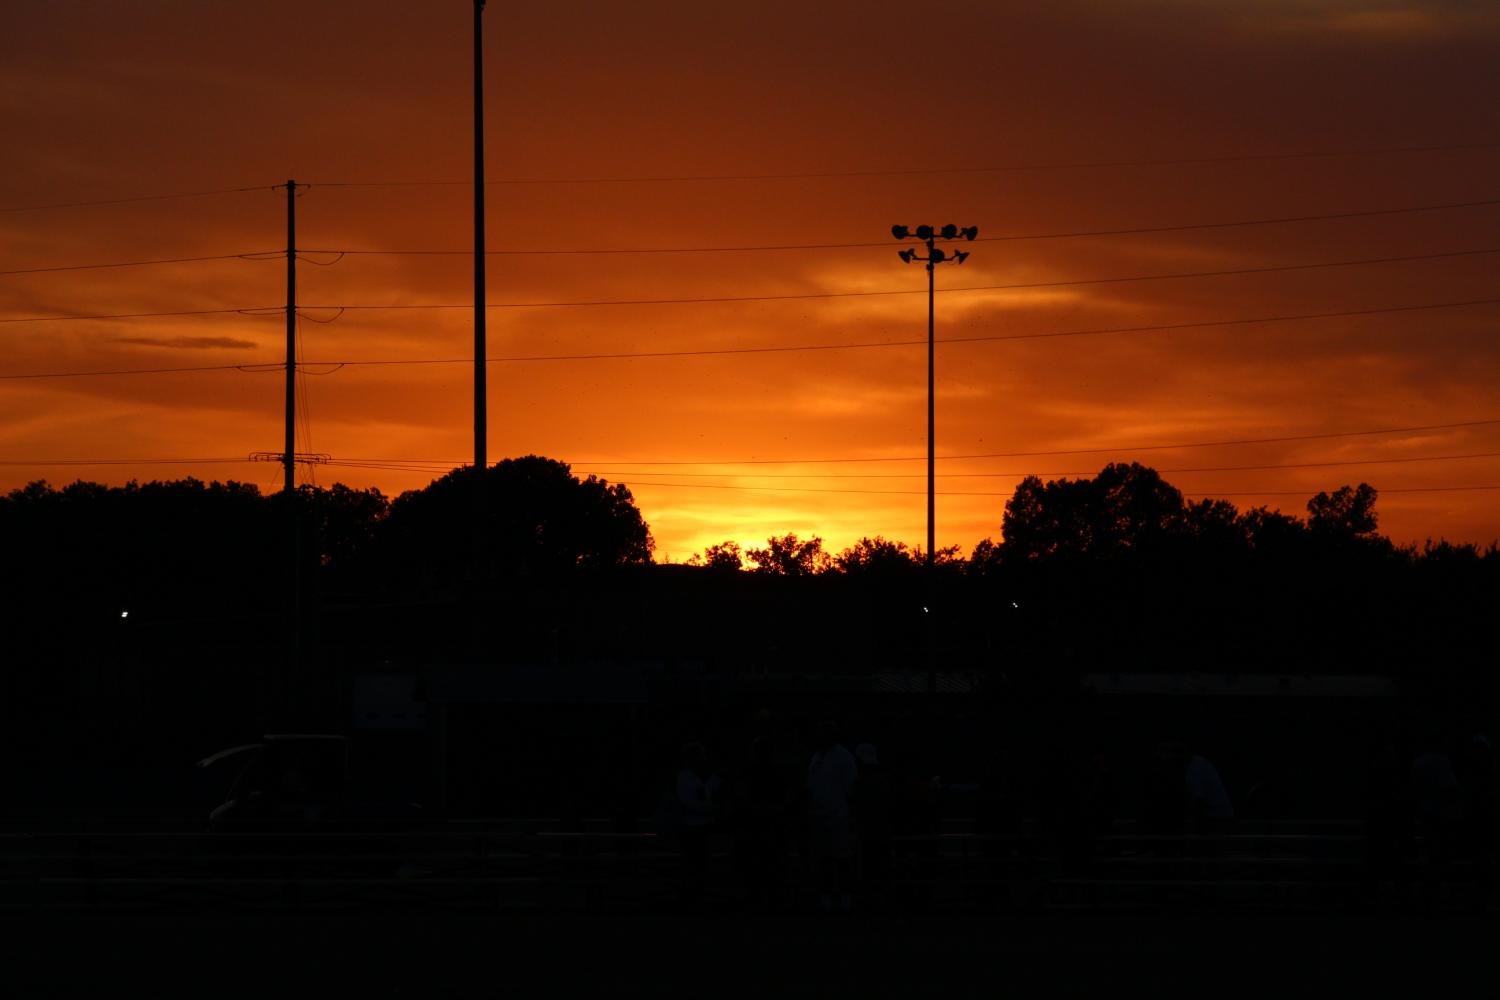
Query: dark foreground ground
{"x": 424, "y": 954}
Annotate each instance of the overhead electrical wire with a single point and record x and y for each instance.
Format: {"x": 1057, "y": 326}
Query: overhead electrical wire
{"x": 1007, "y": 493}
{"x": 962, "y": 288}
{"x": 244, "y": 311}
{"x": 1068, "y": 234}
{"x": 340, "y": 253}
{"x": 48, "y": 462}
{"x": 1232, "y": 442}
{"x": 44, "y": 463}
{"x": 271, "y": 310}
{"x": 416, "y": 463}
{"x": 946, "y": 493}
{"x": 916, "y": 171}
{"x": 137, "y": 198}
{"x": 617, "y": 473}
{"x": 706, "y": 352}
{"x": 801, "y": 175}
{"x": 1224, "y": 443}
{"x": 248, "y": 255}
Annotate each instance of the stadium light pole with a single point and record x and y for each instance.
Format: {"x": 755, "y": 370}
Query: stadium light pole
{"x": 935, "y": 255}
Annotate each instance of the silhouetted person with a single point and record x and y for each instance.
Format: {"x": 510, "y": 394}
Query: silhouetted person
{"x": 997, "y": 813}
{"x": 1165, "y": 809}
{"x": 831, "y": 774}
{"x": 1476, "y": 779}
{"x": 1439, "y": 807}
{"x": 764, "y": 797}
{"x": 694, "y": 793}
{"x": 871, "y": 806}
{"x": 1057, "y": 800}
{"x": 1388, "y": 820}
{"x": 1208, "y": 799}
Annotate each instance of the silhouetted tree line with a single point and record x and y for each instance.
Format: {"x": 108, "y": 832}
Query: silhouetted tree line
{"x": 1119, "y": 569}
{"x": 157, "y": 616}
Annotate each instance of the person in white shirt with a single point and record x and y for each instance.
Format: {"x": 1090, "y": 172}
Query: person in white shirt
{"x": 830, "y": 778}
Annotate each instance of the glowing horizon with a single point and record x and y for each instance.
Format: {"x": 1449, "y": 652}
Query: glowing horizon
{"x": 180, "y": 98}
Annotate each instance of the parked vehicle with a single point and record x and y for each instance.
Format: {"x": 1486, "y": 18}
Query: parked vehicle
{"x": 300, "y": 779}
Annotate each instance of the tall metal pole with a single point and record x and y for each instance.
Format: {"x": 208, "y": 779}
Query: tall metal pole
{"x": 931, "y": 412}
{"x": 480, "y": 389}
{"x": 289, "y": 460}
{"x": 931, "y": 490}
{"x": 289, "y": 455}
{"x": 930, "y": 235}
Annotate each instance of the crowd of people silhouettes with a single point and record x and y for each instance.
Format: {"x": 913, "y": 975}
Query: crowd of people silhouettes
{"x": 823, "y": 829}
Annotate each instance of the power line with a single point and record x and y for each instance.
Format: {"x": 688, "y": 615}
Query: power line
{"x": 1327, "y": 436}
{"x": 961, "y": 288}
{"x": 947, "y": 493}
{"x": 1070, "y": 234}
{"x": 279, "y": 254}
{"x": 990, "y": 338}
{"x": 718, "y": 486}
{"x": 418, "y": 465}
{"x": 135, "y": 371}
{"x": 1047, "y": 472}
{"x": 1007, "y": 168}
{"x": 269, "y": 310}
{"x": 803, "y": 175}
{"x": 1233, "y": 442}
{"x": 1007, "y": 493}
{"x": 122, "y": 461}
{"x": 703, "y": 352}
{"x": 139, "y": 263}
{"x": 246, "y": 311}
{"x": 137, "y": 198}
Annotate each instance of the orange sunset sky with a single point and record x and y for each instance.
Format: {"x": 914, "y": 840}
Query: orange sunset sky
{"x": 654, "y": 126}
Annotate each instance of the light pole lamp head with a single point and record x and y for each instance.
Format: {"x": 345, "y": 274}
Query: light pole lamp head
{"x": 960, "y": 256}
{"x": 950, "y": 231}
{"x": 937, "y": 256}
{"x": 900, "y": 232}
{"x": 970, "y": 232}
{"x": 906, "y": 255}
{"x": 924, "y": 232}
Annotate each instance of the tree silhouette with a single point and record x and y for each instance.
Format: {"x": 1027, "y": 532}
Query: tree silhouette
{"x": 726, "y": 556}
{"x": 877, "y": 556}
{"x": 790, "y": 556}
{"x": 1124, "y": 507}
{"x": 1348, "y": 512}
{"x": 537, "y": 520}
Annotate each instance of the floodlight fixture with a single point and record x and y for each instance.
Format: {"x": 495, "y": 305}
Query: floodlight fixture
{"x": 937, "y": 256}
{"x": 970, "y": 232}
{"x": 950, "y": 231}
{"x": 924, "y": 232}
{"x": 906, "y": 255}
{"x": 960, "y": 255}
{"x": 900, "y": 232}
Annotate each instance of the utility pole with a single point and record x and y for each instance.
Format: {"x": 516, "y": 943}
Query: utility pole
{"x": 289, "y": 458}
{"x": 935, "y": 256}
{"x": 289, "y": 453}
{"x": 478, "y": 510}
{"x": 480, "y": 388}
